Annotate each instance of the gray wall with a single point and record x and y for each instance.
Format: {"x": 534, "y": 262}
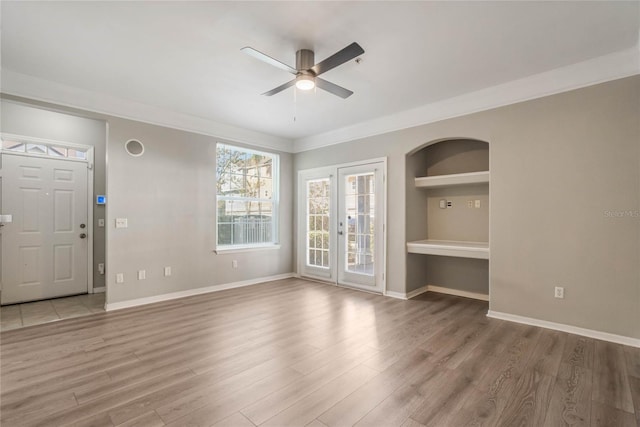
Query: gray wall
{"x": 22, "y": 119}
{"x": 168, "y": 196}
{"x": 558, "y": 164}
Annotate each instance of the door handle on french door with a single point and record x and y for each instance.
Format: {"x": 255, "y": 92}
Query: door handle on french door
{"x": 340, "y": 232}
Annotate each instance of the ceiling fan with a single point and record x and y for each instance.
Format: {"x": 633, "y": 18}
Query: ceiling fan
{"x": 307, "y": 73}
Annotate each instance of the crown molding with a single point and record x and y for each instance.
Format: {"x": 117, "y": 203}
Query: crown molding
{"x": 26, "y": 86}
{"x": 597, "y": 70}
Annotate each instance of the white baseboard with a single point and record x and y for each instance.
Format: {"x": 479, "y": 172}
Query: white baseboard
{"x": 458, "y": 293}
{"x": 191, "y": 292}
{"x": 393, "y": 294}
{"x": 416, "y": 292}
{"x": 98, "y": 290}
{"x": 604, "y": 336}
{"x": 438, "y": 289}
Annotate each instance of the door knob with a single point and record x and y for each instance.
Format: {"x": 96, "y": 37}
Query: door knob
{"x": 83, "y": 235}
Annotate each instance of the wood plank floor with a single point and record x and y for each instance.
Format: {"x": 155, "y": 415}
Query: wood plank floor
{"x": 297, "y": 353}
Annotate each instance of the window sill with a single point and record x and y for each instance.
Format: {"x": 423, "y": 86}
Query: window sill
{"x": 236, "y": 249}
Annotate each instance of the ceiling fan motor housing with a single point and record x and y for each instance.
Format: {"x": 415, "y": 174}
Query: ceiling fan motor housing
{"x": 304, "y": 60}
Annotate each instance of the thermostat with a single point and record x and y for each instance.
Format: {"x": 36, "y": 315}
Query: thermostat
{"x": 101, "y": 200}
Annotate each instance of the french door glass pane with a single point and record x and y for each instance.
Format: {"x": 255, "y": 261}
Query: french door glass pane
{"x": 318, "y": 223}
{"x": 360, "y": 203}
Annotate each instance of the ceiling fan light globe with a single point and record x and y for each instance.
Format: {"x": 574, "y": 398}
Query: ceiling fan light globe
{"x": 305, "y": 83}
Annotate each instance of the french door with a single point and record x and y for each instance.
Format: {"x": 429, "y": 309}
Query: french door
{"x": 341, "y": 225}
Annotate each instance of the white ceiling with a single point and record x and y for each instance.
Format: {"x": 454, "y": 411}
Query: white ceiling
{"x": 184, "y": 57}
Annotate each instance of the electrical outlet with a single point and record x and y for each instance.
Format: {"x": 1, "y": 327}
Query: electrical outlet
{"x": 477, "y": 203}
{"x": 559, "y": 292}
{"x": 142, "y": 274}
{"x": 167, "y": 271}
{"x": 234, "y": 263}
{"x": 120, "y": 278}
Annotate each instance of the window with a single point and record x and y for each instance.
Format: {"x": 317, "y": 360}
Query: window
{"x": 247, "y": 185}
{"x": 43, "y": 149}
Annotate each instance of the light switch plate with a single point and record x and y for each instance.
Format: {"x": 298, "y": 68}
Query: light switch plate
{"x": 120, "y": 278}
{"x": 142, "y": 274}
{"x": 122, "y": 223}
{"x": 100, "y": 222}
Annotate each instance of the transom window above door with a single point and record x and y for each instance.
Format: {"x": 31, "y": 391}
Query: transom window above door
{"x": 247, "y": 198}
{"x": 42, "y": 148}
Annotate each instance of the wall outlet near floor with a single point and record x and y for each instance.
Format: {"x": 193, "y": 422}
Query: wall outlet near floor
{"x": 142, "y": 274}
{"x": 559, "y": 292}
{"x": 120, "y": 278}
{"x": 101, "y": 268}
{"x": 234, "y": 263}
{"x": 167, "y": 271}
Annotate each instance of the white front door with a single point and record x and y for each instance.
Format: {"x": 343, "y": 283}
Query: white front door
{"x": 44, "y": 247}
{"x": 341, "y": 219}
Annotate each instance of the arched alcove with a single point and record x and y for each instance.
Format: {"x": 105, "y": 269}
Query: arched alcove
{"x": 448, "y": 217}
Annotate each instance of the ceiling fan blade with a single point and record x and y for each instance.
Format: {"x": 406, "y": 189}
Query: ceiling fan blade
{"x": 269, "y": 60}
{"x": 333, "y": 88}
{"x": 347, "y": 54}
{"x": 280, "y": 88}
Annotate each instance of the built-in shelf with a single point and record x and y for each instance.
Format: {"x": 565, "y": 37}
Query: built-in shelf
{"x": 453, "y": 179}
{"x": 478, "y": 250}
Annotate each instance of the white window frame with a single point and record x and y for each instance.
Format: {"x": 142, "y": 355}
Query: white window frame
{"x": 274, "y": 200}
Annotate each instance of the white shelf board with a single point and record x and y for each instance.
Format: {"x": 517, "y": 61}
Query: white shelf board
{"x": 478, "y": 250}
{"x": 453, "y": 179}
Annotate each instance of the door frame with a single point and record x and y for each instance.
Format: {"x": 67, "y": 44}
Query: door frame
{"x": 90, "y": 163}
{"x": 332, "y": 171}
